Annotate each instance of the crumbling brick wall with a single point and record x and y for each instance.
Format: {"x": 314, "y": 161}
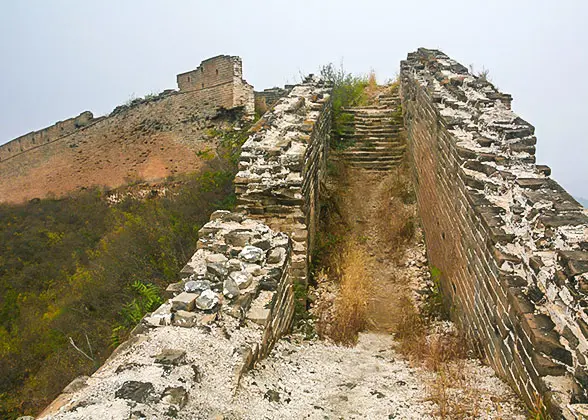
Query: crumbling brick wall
{"x": 267, "y": 98}
{"x": 149, "y": 138}
{"x": 282, "y": 165}
{"x": 509, "y": 241}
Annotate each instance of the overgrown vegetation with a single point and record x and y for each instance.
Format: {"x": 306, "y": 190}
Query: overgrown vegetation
{"x": 346, "y": 315}
{"x": 348, "y": 91}
{"x": 397, "y": 213}
{"x": 77, "y": 274}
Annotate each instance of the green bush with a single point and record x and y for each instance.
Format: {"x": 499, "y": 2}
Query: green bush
{"x": 348, "y": 91}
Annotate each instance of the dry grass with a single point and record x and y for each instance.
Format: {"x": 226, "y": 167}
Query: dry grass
{"x": 260, "y": 106}
{"x": 348, "y": 315}
{"x": 424, "y": 347}
{"x": 397, "y": 211}
{"x": 538, "y": 411}
{"x": 443, "y": 353}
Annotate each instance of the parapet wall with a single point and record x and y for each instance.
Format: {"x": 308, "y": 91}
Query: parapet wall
{"x": 45, "y": 135}
{"x": 282, "y": 165}
{"x": 510, "y": 243}
{"x": 268, "y": 97}
{"x": 149, "y": 139}
{"x": 186, "y": 358}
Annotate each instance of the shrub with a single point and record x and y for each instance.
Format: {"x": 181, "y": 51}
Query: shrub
{"x": 348, "y": 91}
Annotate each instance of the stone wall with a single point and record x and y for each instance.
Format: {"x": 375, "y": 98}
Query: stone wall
{"x": 236, "y": 298}
{"x": 221, "y": 78}
{"x": 268, "y": 97}
{"x": 282, "y": 165}
{"x": 186, "y": 358}
{"x": 148, "y": 139}
{"x": 46, "y": 135}
{"x": 510, "y": 243}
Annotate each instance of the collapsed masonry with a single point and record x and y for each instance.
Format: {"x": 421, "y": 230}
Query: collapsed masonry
{"x": 282, "y": 165}
{"x": 236, "y": 295}
{"x": 510, "y": 242}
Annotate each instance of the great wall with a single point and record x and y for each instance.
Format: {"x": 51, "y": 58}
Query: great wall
{"x": 510, "y": 243}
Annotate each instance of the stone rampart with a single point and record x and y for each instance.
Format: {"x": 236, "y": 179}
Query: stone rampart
{"x": 236, "y": 298}
{"x": 510, "y": 243}
{"x": 148, "y": 138}
{"x": 282, "y": 165}
{"x": 46, "y": 135}
{"x": 186, "y": 358}
{"x": 268, "y": 97}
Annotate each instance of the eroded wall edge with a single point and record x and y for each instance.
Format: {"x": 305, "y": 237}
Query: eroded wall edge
{"x": 511, "y": 244}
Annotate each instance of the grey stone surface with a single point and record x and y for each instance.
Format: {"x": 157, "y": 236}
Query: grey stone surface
{"x": 241, "y": 278}
{"x": 252, "y": 254}
{"x": 184, "y": 301}
{"x": 170, "y": 357}
{"x": 197, "y": 286}
{"x": 136, "y": 391}
{"x": 230, "y": 288}
{"x": 207, "y": 300}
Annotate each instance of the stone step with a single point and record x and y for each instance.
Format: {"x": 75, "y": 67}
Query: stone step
{"x": 376, "y": 124}
{"x": 376, "y": 130}
{"x": 378, "y": 120}
{"x": 376, "y": 166}
{"x": 367, "y": 159}
{"x": 370, "y": 137}
{"x": 370, "y": 111}
{"x": 388, "y": 147}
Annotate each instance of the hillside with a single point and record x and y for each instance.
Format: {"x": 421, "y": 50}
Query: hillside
{"x": 80, "y": 271}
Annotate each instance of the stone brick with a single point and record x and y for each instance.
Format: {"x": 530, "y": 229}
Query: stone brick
{"x": 477, "y": 244}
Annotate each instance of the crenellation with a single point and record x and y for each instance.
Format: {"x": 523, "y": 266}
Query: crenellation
{"x": 47, "y": 135}
{"x": 221, "y": 78}
{"x": 156, "y": 136}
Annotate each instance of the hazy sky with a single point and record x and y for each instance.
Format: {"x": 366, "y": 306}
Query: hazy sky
{"x": 61, "y": 57}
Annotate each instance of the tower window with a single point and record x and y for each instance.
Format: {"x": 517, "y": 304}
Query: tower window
{"x": 202, "y": 85}
{"x": 217, "y": 72}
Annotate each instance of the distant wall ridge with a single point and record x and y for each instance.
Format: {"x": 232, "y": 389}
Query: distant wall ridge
{"x": 230, "y": 91}
{"x": 511, "y": 243}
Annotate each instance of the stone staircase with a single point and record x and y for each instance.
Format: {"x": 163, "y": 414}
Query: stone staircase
{"x": 374, "y": 135}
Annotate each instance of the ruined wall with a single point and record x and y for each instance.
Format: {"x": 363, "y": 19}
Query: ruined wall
{"x": 149, "y": 138}
{"x": 186, "y": 358}
{"x": 511, "y": 244}
{"x": 45, "y": 135}
{"x": 221, "y": 78}
{"x": 282, "y": 165}
{"x": 236, "y": 298}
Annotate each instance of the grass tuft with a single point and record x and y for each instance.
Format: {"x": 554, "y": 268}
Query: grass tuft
{"x": 349, "y": 313}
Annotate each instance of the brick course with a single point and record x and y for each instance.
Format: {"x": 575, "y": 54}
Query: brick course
{"x": 509, "y": 241}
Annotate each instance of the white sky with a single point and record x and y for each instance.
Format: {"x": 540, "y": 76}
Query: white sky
{"x": 61, "y": 57}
